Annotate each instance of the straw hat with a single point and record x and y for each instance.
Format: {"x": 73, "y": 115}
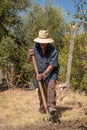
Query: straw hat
{"x": 43, "y": 37}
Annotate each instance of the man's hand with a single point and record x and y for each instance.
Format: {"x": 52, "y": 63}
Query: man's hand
{"x": 31, "y": 52}
{"x": 42, "y": 75}
{"x": 39, "y": 77}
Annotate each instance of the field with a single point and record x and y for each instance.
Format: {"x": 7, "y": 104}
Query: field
{"x": 19, "y": 111}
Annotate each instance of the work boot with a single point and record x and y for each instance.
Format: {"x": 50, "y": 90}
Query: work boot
{"x": 53, "y": 115}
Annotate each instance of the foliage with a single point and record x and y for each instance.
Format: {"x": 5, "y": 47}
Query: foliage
{"x": 20, "y": 23}
{"x": 44, "y": 17}
{"x": 63, "y": 57}
{"x": 11, "y": 53}
{"x": 79, "y": 63}
{"x": 80, "y": 18}
{"x": 84, "y": 82}
{"x": 9, "y": 15}
{"x": 80, "y": 15}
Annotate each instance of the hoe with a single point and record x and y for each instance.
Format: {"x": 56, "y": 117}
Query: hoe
{"x": 48, "y": 116}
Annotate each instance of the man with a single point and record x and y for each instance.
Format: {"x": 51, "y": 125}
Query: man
{"x": 46, "y": 57}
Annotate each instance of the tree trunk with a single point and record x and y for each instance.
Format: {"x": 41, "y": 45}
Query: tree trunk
{"x": 70, "y": 57}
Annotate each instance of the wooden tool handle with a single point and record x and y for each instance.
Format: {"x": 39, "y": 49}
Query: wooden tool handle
{"x": 40, "y": 86}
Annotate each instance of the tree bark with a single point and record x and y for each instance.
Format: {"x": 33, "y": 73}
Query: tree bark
{"x": 70, "y": 57}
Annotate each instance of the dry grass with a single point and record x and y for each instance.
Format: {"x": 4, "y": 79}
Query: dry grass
{"x": 76, "y": 102}
{"x": 19, "y": 107}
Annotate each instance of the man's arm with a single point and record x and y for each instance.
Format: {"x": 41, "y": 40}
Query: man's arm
{"x": 47, "y": 71}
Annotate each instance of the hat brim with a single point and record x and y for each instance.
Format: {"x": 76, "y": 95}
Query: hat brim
{"x": 48, "y": 40}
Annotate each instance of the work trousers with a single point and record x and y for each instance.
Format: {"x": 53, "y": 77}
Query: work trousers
{"x": 50, "y": 95}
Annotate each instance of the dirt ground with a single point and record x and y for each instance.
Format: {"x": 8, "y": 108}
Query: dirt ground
{"x": 63, "y": 125}
{"x": 19, "y": 111}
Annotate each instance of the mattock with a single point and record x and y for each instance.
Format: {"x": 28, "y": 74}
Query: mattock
{"x": 47, "y": 118}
